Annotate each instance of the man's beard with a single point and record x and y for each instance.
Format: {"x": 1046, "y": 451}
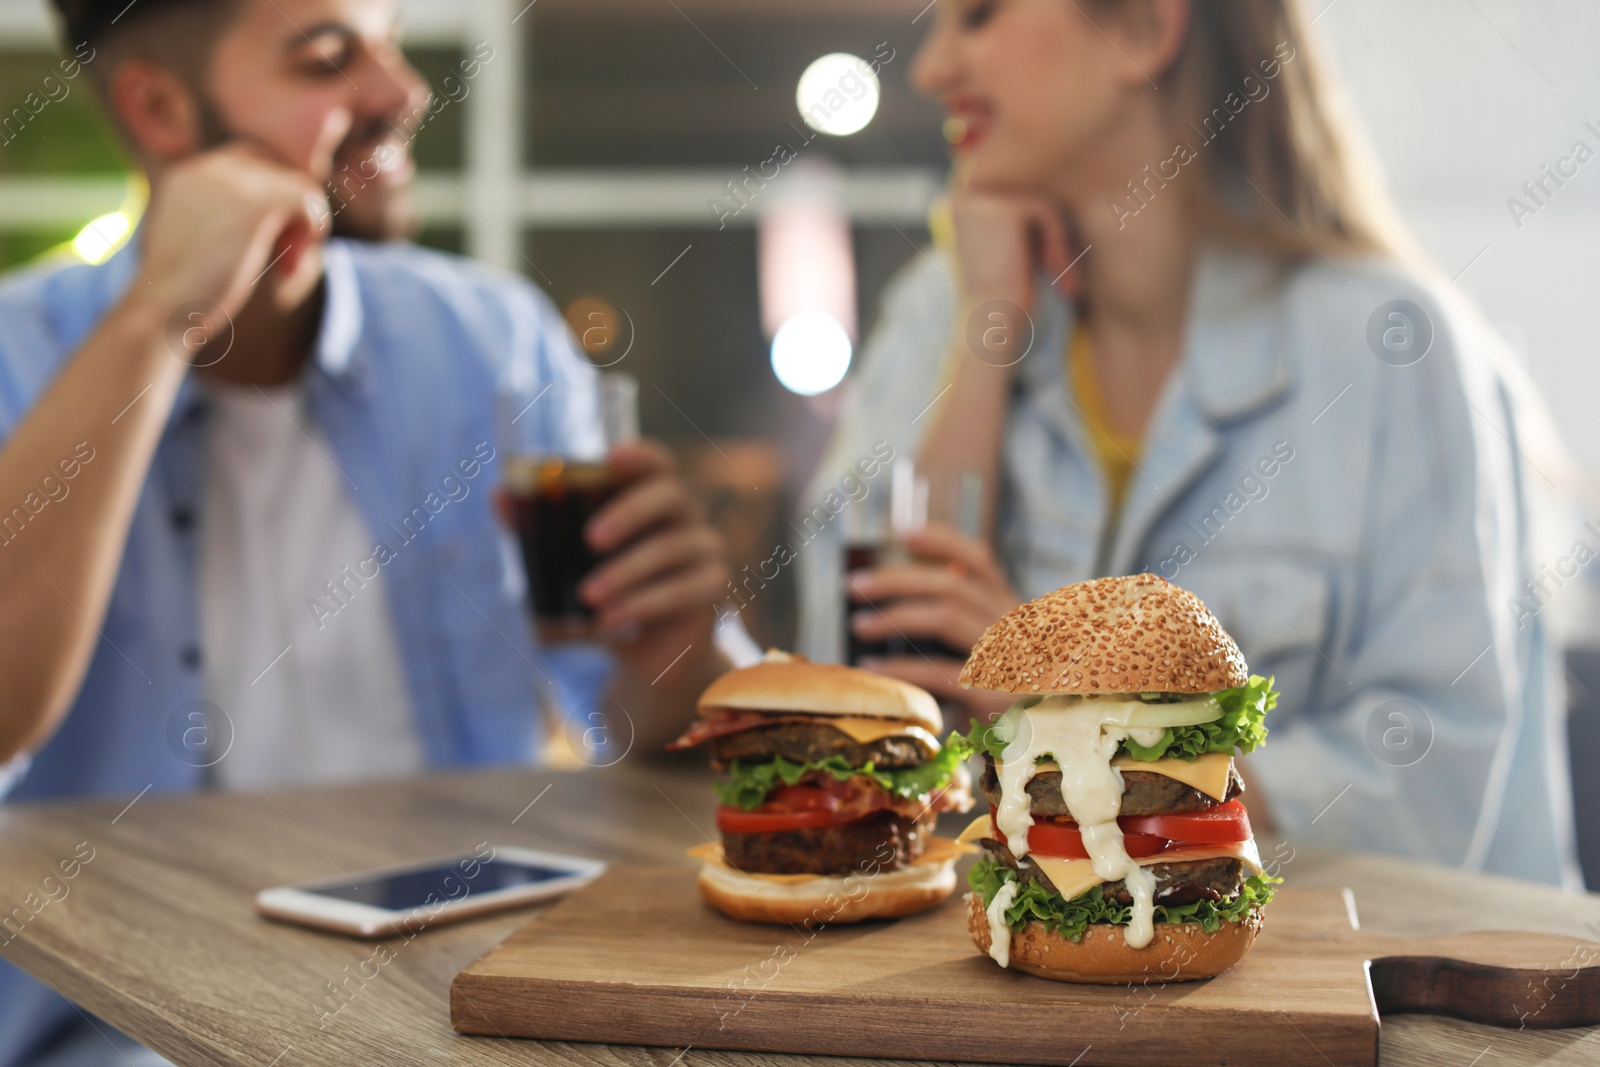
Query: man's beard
{"x": 363, "y": 210}
{"x": 214, "y": 132}
{"x": 371, "y": 211}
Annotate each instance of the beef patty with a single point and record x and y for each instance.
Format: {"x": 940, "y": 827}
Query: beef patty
{"x": 1176, "y": 883}
{"x": 805, "y": 742}
{"x": 882, "y": 841}
{"x": 1143, "y": 793}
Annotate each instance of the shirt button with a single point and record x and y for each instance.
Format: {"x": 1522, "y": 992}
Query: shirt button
{"x": 182, "y": 518}
{"x": 190, "y": 657}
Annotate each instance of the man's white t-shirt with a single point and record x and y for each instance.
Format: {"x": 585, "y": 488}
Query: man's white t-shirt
{"x": 308, "y": 699}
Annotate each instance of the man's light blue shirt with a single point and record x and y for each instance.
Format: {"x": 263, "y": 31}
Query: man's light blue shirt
{"x": 424, "y": 365}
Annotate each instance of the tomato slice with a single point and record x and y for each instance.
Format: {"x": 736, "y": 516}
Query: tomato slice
{"x": 1144, "y": 835}
{"x": 788, "y": 798}
{"x": 1065, "y": 841}
{"x": 738, "y": 821}
{"x": 788, "y": 807}
{"x": 1224, "y": 824}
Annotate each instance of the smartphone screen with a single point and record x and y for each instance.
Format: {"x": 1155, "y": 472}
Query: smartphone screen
{"x": 406, "y": 890}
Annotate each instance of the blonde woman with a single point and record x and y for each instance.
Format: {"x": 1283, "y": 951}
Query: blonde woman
{"x": 1176, "y": 328}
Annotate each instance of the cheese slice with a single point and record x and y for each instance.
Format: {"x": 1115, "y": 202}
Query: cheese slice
{"x": 1073, "y": 877}
{"x": 1209, "y": 773}
{"x": 943, "y": 850}
{"x": 864, "y": 731}
{"x": 977, "y": 828}
{"x": 937, "y": 850}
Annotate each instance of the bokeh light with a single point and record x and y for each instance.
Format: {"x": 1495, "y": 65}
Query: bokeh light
{"x": 838, "y": 94}
{"x": 811, "y": 353}
{"x": 101, "y": 237}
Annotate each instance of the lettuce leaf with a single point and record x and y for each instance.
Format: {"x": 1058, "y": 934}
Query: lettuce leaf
{"x": 1069, "y": 918}
{"x": 749, "y": 784}
{"x": 978, "y": 741}
{"x": 1242, "y": 728}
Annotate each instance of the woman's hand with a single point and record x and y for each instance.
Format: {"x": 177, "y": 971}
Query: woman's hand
{"x": 952, "y": 591}
{"x": 1003, "y": 242}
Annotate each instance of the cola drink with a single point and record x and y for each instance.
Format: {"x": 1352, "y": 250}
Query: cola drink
{"x": 865, "y": 557}
{"x": 550, "y": 501}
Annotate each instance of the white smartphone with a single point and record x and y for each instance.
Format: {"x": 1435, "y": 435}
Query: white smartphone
{"x": 411, "y": 898}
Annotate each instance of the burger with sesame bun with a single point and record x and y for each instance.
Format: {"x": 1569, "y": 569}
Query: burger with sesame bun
{"x": 1116, "y": 847}
{"x": 835, "y": 777}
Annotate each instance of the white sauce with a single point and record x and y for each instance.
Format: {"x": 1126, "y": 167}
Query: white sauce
{"x": 1149, "y": 737}
{"x": 999, "y": 932}
{"x": 1083, "y": 736}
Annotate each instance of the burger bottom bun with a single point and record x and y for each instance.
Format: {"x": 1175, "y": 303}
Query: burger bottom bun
{"x": 1180, "y": 952}
{"x": 822, "y": 901}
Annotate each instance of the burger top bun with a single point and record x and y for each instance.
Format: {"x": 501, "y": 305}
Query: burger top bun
{"x": 781, "y": 682}
{"x": 1138, "y": 634}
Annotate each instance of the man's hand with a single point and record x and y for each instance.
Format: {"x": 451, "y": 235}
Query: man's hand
{"x": 951, "y": 593}
{"x": 654, "y": 596}
{"x": 215, "y": 225}
{"x": 221, "y": 219}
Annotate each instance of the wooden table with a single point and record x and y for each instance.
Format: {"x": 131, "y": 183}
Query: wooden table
{"x": 157, "y": 934}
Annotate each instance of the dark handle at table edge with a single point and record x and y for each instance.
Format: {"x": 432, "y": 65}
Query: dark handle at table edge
{"x": 1476, "y": 992}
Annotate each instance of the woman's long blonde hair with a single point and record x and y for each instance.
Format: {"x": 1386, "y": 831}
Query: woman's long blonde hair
{"x": 1289, "y": 173}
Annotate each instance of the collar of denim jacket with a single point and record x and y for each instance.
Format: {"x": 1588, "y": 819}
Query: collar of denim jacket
{"x": 1236, "y": 356}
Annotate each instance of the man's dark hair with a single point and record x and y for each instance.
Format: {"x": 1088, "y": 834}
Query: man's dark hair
{"x": 178, "y": 34}
{"x": 96, "y": 21}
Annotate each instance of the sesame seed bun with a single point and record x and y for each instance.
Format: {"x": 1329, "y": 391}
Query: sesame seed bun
{"x": 1180, "y": 952}
{"x": 1138, "y": 634}
{"x": 793, "y": 684}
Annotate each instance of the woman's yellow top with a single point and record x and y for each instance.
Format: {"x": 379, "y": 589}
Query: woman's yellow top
{"x": 1117, "y": 452}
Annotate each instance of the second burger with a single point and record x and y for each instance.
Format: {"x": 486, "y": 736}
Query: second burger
{"x": 835, "y": 779}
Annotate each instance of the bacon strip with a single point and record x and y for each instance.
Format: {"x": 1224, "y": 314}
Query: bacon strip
{"x": 859, "y": 796}
{"x": 731, "y": 721}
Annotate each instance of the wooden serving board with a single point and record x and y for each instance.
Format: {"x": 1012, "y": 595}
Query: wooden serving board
{"x": 637, "y": 958}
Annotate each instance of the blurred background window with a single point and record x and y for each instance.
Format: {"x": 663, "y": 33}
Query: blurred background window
{"x": 587, "y": 152}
